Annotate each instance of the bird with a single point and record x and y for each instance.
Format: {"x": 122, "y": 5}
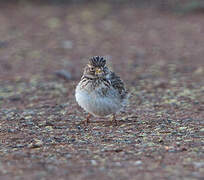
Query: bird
{"x": 100, "y": 92}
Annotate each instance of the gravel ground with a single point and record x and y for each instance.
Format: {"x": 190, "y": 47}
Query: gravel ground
{"x": 157, "y": 52}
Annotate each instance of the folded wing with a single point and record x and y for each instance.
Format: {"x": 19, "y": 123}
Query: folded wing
{"x": 118, "y": 84}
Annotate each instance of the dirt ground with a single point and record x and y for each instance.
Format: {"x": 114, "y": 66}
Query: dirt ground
{"x": 159, "y": 53}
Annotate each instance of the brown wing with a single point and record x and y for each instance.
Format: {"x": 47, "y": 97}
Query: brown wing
{"x": 118, "y": 84}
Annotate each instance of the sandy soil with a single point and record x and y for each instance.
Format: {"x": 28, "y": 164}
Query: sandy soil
{"x": 157, "y": 52}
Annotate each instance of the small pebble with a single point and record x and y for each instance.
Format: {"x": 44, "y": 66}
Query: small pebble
{"x": 93, "y": 162}
{"x": 136, "y": 163}
{"x": 63, "y": 74}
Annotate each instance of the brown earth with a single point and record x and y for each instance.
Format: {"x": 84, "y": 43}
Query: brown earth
{"x": 158, "y": 52}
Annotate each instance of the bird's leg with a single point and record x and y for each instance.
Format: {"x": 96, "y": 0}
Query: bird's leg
{"x": 114, "y": 121}
{"x": 87, "y": 121}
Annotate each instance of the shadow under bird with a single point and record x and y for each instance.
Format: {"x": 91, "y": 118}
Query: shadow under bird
{"x": 100, "y": 91}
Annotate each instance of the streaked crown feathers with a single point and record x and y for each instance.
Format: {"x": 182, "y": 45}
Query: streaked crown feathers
{"x": 97, "y": 61}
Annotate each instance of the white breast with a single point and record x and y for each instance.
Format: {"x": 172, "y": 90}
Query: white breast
{"x": 96, "y": 104}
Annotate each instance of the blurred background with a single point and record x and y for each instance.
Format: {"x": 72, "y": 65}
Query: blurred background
{"x": 39, "y": 38}
{"x": 156, "y": 46}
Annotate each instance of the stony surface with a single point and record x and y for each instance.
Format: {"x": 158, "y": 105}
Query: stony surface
{"x": 158, "y": 54}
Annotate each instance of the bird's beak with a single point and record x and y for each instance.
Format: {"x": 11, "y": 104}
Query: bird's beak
{"x": 98, "y": 71}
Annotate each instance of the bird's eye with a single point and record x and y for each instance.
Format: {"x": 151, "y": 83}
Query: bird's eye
{"x": 91, "y": 69}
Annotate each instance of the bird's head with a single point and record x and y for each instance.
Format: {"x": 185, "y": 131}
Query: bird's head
{"x": 96, "y": 68}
